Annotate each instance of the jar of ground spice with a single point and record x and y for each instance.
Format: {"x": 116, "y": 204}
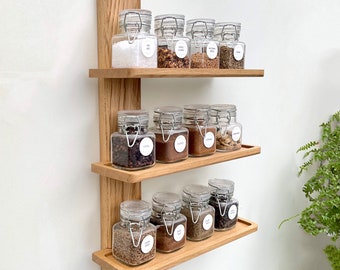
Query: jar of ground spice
{"x": 201, "y": 132}
{"x": 204, "y": 48}
{"x": 229, "y": 131}
{"x": 200, "y": 215}
{"x": 226, "y": 207}
{"x": 173, "y": 47}
{"x": 133, "y": 146}
{"x": 134, "y": 237}
{"x": 134, "y": 46}
{"x": 171, "y": 224}
{"x": 232, "y": 51}
{"x": 171, "y": 137}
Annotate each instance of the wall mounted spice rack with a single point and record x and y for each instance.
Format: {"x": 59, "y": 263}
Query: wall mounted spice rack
{"x": 120, "y": 89}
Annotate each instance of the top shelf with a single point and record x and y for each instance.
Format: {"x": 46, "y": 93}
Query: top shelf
{"x": 172, "y": 73}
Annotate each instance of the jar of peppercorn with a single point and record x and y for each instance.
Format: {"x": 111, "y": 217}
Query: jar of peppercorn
{"x": 229, "y": 131}
{"x": 226, "y": 207}
{"x": 134, "y": 237}
{"x": 171, "y": 137}
{"x": 133, "y": 146}
{"x": 200, "y": 215}
{"x": 171, "y": 224}
{"x": 232, "y": 51}
{"x": 173, "y": 46}
{"x": 204, "y": 47}
{"x": 201, "y": 132}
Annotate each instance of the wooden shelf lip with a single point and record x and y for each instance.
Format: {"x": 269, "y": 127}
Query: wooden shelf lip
{"x": 160, "y": 169}
{"x": 172, "y": 73}
{"x": 190, "y": 250}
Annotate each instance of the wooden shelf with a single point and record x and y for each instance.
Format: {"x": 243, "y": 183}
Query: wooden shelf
{"x": 160, "y": 169}
{"x": 172, "y": 73}
{"x": 191, "y": 250}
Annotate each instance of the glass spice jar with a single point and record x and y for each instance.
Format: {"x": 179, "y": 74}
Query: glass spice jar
{"x": 134, "y": 46}
{"x": 226, "y": 207}
{"x": 229, "y": 131}
{"x": 200, "y": 215}
{"x": 134, "y": 237}
{"x": 171, "y": 224}
{"x": 173, "y": 46}
{"x": 204, "y": 47}
{"x": 201, "y": 132}
{"x": 171, "y": 137}
{"x": 133, "y": 146}
{"x": 232, "y": 51}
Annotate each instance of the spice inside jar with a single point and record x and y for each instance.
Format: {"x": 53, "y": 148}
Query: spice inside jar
{"x": 134, "y": 237}
{"x": 171, "y": 224}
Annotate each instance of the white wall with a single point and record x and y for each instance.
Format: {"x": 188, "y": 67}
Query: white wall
{"x": 49, "y": 199}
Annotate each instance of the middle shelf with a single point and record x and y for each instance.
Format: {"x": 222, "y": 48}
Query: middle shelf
{"x": 160, "y": 169}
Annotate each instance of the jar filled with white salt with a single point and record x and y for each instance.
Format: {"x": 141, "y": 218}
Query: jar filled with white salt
{"x": 134, "y": 46}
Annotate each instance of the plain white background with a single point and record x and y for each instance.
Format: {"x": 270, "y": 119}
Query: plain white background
{"x": 49, "y": 198}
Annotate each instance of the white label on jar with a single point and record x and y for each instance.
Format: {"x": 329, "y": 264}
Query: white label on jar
{"x": 148, "y": 47}
{"x": 238, "y": 52}
{"x": 181, "y": 49}
{"x": 212, "y": 50}
{"x": 232, "y": 211}
{"x": 147, "y": 244}
{"x": 180, "y": 143}
{"x": 179, "y": 233}
{"x": 209, "y": 139}
{"x": 236, "y": 134}
{"x": 207, "y": 222}
{"x": 146, "y": 146}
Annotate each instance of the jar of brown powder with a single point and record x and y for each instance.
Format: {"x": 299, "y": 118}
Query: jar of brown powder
{"x": 171, "y": 224}
{"x": 134, "y": 237}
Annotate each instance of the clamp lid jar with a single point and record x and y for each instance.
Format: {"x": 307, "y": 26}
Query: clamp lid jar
{"x": 173, "y": 46}
{"x": 133, "y": 146}
{"x": 200, "y": 215}
{"x": 134, "y": 237}
{"x": 226, "y": 207}
{"x": 171, "y": 224}
{"x": 134, "y": 46}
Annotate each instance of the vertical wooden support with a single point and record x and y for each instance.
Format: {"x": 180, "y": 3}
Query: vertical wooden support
{"x": 114, "y": 95}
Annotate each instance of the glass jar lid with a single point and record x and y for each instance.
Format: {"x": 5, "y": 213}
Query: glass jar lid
{"x": 169, "y": 24}
{"x": 196, "y": 112}
{"x": 133, "y": 117}
{"x": 227, "y": 30}
{"x": 168, "y": 116}
{"x": 201, "y": 27}
{"x": 135, "y": 20}
{"x": 135, "y": 211}
{"x": 166, "y": 202}
{"x": 196, "y": 194}
{"x": 222, "y": 110}
{"x": 221, "y": 186}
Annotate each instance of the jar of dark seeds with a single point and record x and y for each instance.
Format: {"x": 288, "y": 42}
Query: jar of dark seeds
{"x": 232, "y": 51}
{"x": 171, "y": 137}
{"x": 226, "y": 207}
{"x": 133, "y": 146}
{"x": 204, "y": 47}
{"x": 173, "y": 47}
{"x": 171, "y": 224}
{"x": 201, "y": 132}
{"x": 229, "y": 131}
{"x": 134, "y": 237}
{"x": 200, "y": 215}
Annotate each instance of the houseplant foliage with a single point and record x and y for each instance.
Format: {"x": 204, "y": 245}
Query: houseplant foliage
{"x": 322, "y": 189}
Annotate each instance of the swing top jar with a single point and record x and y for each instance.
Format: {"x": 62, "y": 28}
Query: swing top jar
{"x": 201, "y": 132}
{"x": 171, "y": 224}
{"x": 229, "y": 131}
{"x": 133, "y": 146}
{"x": 134, "y": 46}
{"x": 171, "y": 137}
{"x": 232, "y": 51}
{"x": 204, "y": 47}
{"x": 173, "y": 46}
{"x": 200, "y": 215}
{"x": 226, "y": 207}
{"x": 134, "y": 237}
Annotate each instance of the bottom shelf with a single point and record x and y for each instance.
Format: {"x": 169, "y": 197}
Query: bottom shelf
{"x": 191, "y": 250}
